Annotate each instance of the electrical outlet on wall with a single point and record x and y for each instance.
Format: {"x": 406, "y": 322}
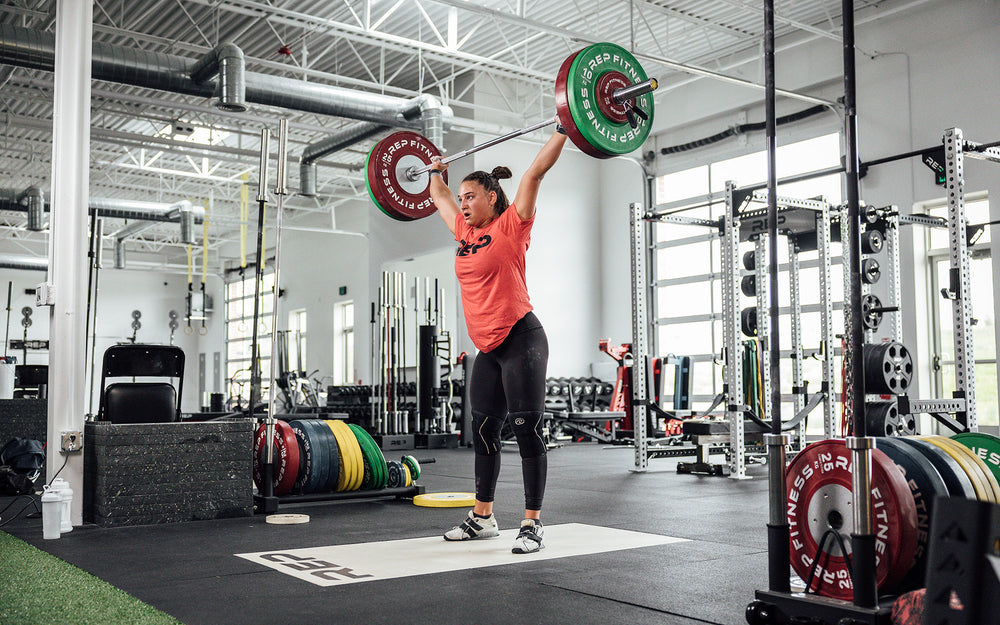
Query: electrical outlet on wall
{"x": 72, "y": 440}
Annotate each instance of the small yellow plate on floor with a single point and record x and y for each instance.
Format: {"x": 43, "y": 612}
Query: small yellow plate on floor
{"x": 286, "y": 519}
{"x": 445, "y": 500}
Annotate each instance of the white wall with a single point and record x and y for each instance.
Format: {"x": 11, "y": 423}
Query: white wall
{"x": 564, "y": 257}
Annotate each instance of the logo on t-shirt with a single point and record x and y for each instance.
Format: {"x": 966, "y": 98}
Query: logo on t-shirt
{"x": 464, "y": 249}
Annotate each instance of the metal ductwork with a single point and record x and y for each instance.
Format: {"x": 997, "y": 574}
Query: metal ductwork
{"x": 142, "y": 211}
{"x": 225, "y": 61}
{"x": 187, "y": 222}
{"x": 27, "y": 263}
{"x": 182, "y": 212}
{"x": 173, "y": 213}
{"x": 33, "y": 200}
{"x": 35, "y": 49}
{"x": 432, "y": 115}
{"x": 425, "y": 108}
{"x": 334, "y": 143}
{"x": 119, "y": 253}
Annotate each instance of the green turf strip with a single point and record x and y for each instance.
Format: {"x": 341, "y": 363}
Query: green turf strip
{"x": 37, "y": 588}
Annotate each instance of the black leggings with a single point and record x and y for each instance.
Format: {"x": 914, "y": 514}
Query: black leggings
{"x": 510, "y": 380}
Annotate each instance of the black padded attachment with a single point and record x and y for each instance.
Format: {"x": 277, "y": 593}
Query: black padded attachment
{"x": 143, "y": 360}
{"x": 140, "y": 360}
{"x": 140, "y": 402}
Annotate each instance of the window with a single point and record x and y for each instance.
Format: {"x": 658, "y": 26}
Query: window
{"x": 941, "y": 324}
{"x": 297, "y": 341}
{"x": 343, "y": 343}
{"x": 688, "y": 262}
{"x": 239, "y": 332}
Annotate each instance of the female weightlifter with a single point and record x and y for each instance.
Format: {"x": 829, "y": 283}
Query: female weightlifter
{"x": 508, "y": 377}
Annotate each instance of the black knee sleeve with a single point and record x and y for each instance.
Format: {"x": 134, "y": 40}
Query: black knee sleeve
{"x": 486, "y": 433}
{"x": 527, "y": 428}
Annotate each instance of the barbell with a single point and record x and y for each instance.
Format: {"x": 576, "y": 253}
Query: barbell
{"x": 603, "y": 103}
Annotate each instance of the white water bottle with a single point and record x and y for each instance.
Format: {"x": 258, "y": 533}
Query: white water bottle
{"x": 65, "y": 492}
{"x": 51, "y": 514}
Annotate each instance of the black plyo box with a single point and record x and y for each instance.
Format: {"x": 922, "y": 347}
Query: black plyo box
{"x": 150, "y": 473}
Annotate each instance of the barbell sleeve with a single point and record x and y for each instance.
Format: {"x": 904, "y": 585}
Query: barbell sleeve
{"x": 262, "y": 182}
{"x": 280, "y": 188}
{"x": 634, "y": 91}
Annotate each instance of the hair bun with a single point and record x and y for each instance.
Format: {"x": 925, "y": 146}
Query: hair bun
{"x": 501, "y": 173}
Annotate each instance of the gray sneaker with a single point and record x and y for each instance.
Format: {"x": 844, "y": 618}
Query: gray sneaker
{"x": 474, "y": 527}
{"x": 529, "y": 539}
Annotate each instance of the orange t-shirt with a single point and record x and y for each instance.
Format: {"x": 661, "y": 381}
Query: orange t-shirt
{"x": 489, "y": 265}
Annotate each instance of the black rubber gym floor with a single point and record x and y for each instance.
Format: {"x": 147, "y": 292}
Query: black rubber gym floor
{"x": 189, "y": 571}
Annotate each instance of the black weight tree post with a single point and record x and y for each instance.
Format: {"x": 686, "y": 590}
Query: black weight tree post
{"x": 777, "y": 526}
{"x": 862, "y": 539}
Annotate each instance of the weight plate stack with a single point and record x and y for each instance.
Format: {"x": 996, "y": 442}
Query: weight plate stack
{"x": 958, "y": 483}
{"x": 413, "y": 465}
{"x": 748, "y": 321}
{"x": 871, "y": 317}
{"x": 346, "y": 478}
{"x": 819, "y": 500}
{"x": 323, "y": 457}
{"x": 968, "y": 461}
{"x": 925, "y": 484}
{"x": 333, "y": 455}
{"x": 871, "y": 271}
{"x": 871, "y": 241}
{"x": 375, "y": 469}
{"x": 285, "y": 456}
{"x": 884, "y": 420}
{"x": 395, "y": 474}
{"x": 357, "y": 471}
{"x": 314, "y": 472}
{"x": 989, "y": 479}
{"x": 986, "y": 446}
{"x": 341, "y": 469}
{"x": 888, "y": 368}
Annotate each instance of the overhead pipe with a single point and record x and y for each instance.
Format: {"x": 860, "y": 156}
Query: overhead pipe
{"x": 34, "y": 202}
{"x": 425, "y": 108}
{"x": 34, "y": 49}
{"x": 119, "y": 253}
{"x": 174, "y": 213}
{"x": 113, "y": 208}
{"x": 27, "y": 263}
{"x": 346, "y": 137}
{"x": 225, "y": 61}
